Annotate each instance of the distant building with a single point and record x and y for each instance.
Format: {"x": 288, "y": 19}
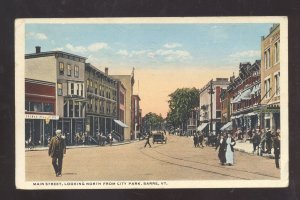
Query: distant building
{"x": 101, "y": 92}
{"x": 135, "y": 116}
{"x": 128, "y": 82}
{"x": 210, "y": 105}
{"x": 270, "y": 78}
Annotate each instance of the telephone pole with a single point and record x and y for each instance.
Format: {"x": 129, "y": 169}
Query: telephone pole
{"x": 211, "y": 92}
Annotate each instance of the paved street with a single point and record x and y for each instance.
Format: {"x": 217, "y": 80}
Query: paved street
{"x": 176, "y": 160}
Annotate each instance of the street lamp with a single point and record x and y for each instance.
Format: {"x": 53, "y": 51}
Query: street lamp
{"x": 211, "y": 92}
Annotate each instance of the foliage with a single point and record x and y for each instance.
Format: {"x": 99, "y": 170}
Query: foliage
{"x": 182, "y": 102}
{"x": 152, "y": 121}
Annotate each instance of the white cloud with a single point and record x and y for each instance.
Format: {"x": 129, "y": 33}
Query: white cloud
{"x": 123, "y": 52}
{"x": 76, "y": 49}
{"x": 37, "y": 36}
{"x": 246, "y": 54}
{"x": 58, "y": 49}
{"x": 171, "y": 45}
{"x": 97, "y": 46}
{"x": 171, "y": 55}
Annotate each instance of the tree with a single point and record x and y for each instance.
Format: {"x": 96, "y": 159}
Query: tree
{"x": 182, "y": 102}
{"x": 152, "y": 121}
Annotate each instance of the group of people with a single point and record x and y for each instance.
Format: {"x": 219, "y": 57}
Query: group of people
{"x": 198, "y": 139}
{"x": 225, "y": 144}
{"x": 264, "y": 140}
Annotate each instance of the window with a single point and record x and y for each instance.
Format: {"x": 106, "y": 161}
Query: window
{"x": 277, "y": 51}
{"x": 81, "y": 91}
{"x": 267, "y": 58}
{"x": 267, "y": 88}
{"x": 71, "y": 109}
{"x": 69, "y": 70}
{"x": 76, "y": 109}
{"x": 91, "y": 83}
{"x": 27, "y": 106}
{"x": 36, "y": 107}
{"x": 61, "y": 68}
{"x": 48, "y": 107}
{"x": 76, "y": 71}
{"x": 96, "y": 88}
{"x": 72, "y": 88}
{"x": 277, "y": 84}
{"x": 59, "y": 89}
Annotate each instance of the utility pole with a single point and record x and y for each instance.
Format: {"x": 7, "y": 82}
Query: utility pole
{"x": 211, "y": 92}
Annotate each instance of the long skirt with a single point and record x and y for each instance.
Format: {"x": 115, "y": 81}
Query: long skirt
{"x": 229, "y": 155}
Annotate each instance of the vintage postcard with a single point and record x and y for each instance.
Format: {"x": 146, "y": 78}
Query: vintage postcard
{"x": 115, "y": 103}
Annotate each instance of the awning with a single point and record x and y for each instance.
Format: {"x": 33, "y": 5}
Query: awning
{"x": 246, "y": 94}
{"x": 227, "y": 126}
{"x": 202, "y": 126}
{"x": 237, "y": 99}
{"x": 121, "y": 123}
{"x": 250, "y": 114}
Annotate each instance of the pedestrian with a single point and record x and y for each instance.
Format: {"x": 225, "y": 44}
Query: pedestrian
{"x": 268, "y": 142}
{"x": 221, "y": 144}
{"x": 147, "y": 141}
{"x": 57, "y": 148}
{"x": 110, "y": 139}
{"x": 201, "y": 139}
{"x": 255, "y": 141}
{"x": 276, "y": 145}
{"x": 230, "y": 142}
{"x": 263, "y": 142}
{"x": 196, "y": 140}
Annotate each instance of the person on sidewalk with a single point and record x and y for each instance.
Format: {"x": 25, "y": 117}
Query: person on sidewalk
{"x": 268, "y": 141}
{"x": 255, "y": 141}
{"x": 196, "y": 140}
{"x": 230, "y": 142}
{"x": 276, "y": 145}
{"x": 57, "y": 149}
{"x": 110, "y": 139}
{"x": 147, "y": 140}
{"x": 221, "y": 144}
{"x": 262, "y": 142}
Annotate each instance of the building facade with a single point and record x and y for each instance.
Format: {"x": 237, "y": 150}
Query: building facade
{"x": 244, "y": 96}
{"x": 128, "y": 82}
{"x": 101, "y": 94}
{"x": 210, "y": 105}
{"x": 135, "y": 116}
{"x": 270, "y": 78}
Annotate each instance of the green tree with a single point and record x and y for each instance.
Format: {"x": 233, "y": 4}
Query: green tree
{"x": 152, "y": 121}
{"x": 181, "y": 103}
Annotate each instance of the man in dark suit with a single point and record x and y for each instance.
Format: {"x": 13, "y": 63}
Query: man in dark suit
{"x": 147, "y": 140}
{"x": 276, "y": 145}
{"x": 57, "y": 149}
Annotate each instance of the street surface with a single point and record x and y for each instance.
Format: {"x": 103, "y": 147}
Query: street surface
{"x": 176, "y": 160}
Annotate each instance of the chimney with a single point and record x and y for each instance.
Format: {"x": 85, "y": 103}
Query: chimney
{"x": 106, "y": 71}
{"x": 37, "y": 49}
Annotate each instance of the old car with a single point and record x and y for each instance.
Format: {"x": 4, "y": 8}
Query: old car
{"x": 159, "y": 137}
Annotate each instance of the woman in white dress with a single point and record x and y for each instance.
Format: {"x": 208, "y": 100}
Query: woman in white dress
{"x": 229, "y": 149}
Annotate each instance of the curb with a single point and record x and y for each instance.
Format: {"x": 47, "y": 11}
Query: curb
{"x": 83, "y": 146}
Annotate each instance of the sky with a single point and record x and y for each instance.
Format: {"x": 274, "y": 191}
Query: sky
{"x": 165, "y": 56}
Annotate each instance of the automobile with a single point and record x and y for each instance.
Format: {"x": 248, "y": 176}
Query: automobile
{"x": 159, "y": 137}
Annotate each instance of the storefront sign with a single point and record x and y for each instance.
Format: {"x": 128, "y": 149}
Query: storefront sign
{"x": 31, "y": 116}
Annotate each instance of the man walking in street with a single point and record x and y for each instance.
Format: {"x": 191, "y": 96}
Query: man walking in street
{"x": 276, "y": 145}
{"x": 268, "y": 141}
{"x": 57, "y": 149}
{"x": 255, "y": 141}
{"x": 147, "y": 141}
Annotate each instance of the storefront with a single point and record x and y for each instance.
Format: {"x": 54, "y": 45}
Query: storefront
{"x": 39, "y": 128}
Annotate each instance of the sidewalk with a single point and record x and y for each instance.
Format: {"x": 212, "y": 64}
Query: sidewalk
{"x": 247, "y": 147}
{"x": 39, "y": 148}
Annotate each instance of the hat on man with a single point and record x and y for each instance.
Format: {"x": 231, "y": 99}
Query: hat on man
{"x": 58, "y": 132}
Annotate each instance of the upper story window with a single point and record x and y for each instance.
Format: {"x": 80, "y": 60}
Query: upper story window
{"x": 277, "y": 84}
{"x": 87, "y": 83}
{"x": 69, "y": 70}
{"x": 277, "y": 52}
{"x": 59, "y": 89}
{"x": 267, "y": 58}
{"x": 76, "y": 71}
{"x": 61, "y": 68}
{"x": 267, "y": 88}
{"x": 72, "y": 88}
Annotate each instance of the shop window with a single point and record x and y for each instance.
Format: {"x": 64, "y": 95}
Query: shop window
{"x": 36, "y": 107}
{"x": 27, "y": 108}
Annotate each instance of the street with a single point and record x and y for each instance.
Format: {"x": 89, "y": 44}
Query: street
{"x": 176, "y": 160}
